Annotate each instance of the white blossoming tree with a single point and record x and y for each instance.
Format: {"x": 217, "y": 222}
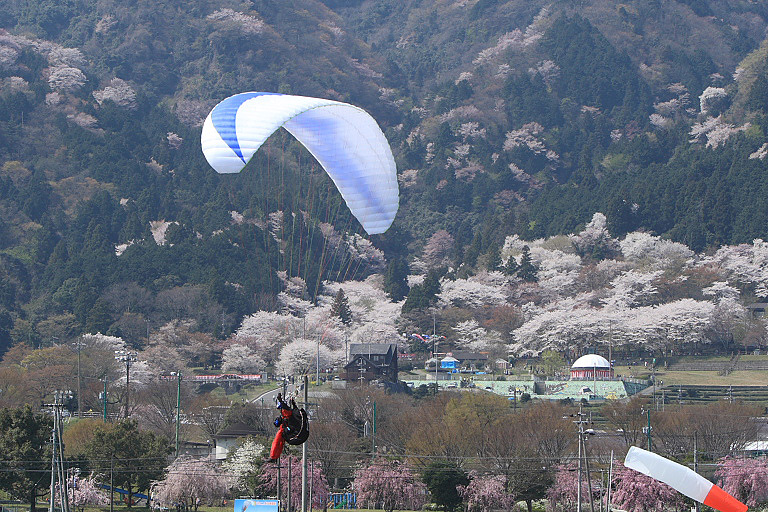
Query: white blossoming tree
{"x": 241, "y": 359}
{"x": 191, "y": 482}
{"x": 472, "y": 336}
{"x": 242, "y": 465}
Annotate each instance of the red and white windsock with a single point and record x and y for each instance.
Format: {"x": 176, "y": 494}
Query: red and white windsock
{"x": 682, "y": 479}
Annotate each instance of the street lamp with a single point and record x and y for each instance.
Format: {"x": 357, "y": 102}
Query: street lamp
{"x": 126, "y": 357}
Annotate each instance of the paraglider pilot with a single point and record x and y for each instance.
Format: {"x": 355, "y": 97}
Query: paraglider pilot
{"x": 292, "y": 426}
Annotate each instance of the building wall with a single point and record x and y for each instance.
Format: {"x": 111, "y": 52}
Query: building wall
{"x": 590, "y": 373}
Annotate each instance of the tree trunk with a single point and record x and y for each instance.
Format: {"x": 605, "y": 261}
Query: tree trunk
{"x": 33, "y": 500}
{"x": 529, "y": 503}
{"x": 130, "y": 494}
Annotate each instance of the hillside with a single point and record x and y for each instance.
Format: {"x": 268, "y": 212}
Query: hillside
{"x": 517, "y": 117}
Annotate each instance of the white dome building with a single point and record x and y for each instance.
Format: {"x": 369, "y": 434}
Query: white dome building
{"x": 591, "y": 366}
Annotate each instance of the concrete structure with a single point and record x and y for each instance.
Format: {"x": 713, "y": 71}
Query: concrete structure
{"x": 537, "y": 389}
{"x": 590, "y": 367}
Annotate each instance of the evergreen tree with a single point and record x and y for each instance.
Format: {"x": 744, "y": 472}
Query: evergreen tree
{"x": 396, "y": 279}
{"x": 494, "y": 258}
{"x": 442, "y": 479}
{"x": 431, "y": 283}
{"x": 137, "y": 456}
{"x": 527, "y": 271}
{"x": 511, "y": 267}
{"x": 424, "y": 295}
{"x": 25, "y": 444}
{"x": 340, "y": 308}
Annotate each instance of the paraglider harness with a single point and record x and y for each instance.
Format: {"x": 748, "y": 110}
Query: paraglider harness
{"x": 292, "y": 426}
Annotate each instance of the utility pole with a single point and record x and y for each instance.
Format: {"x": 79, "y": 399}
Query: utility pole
{"x": 589, "y": 477}
{"x": 434, "y": 350}
{"x": 696, "y": 462}
{"x": 104, "y": 397}
{"x": 79, "y": 345}
{"x": 58, "y": 475}
{"x": 311, "y": 484}
{"x": 290, "y": 477}
{"x": 580, "y": 423}
{"x": 373, "y": 433}
{"x": 304, "y": 453}
{"x": 578, "y": 480}
{"x": 126, "y": 357}
{"x": 648, "y": 429}
{"x": 581, "y": 420}
{"x": 279, "y": 486}
{"x": 610, "y": 481}
{"x": 178, "y": 409}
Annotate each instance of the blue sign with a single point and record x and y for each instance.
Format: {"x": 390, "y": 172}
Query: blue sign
{"x": 257, "y": 505}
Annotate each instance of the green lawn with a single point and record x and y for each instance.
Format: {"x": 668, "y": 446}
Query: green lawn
{"x": 737, "y": 378}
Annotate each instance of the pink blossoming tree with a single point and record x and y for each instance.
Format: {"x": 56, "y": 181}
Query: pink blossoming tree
{"x": 315, "y": 479}
{"x": 635, "y": 492}
{"x": 486, "y": 492}
{"x": 84, "y": 492}
{"x": 389, "y": 484}
{"x": 744, "y": 479}
{"x": 192, "y": 482}
{"x": 563, "y": 494}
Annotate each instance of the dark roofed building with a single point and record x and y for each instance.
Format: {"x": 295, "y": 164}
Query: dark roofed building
{"x": 371, "y": 361}
{"x": 471, "y": 360}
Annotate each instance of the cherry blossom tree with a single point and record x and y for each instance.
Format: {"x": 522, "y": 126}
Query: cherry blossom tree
{"x": 472, "y": 336}
{"x": 744, "y": 479}
{"x": 241, "y": 359}
{"x": 245, "y": 23}
{"x": 558, "y": 271}
{"x": 264, "y": 332}
{"x": 563, "y": 495}
{"x": 66, "y": 78}
{"x": 726, "y": 320}
{"x": 595, "y": 241}
{"x": 438, "y": 249}
{"x": 315, "y": 478}
{"x": 83, "y": 492}
{"x": 367, "y": 299}
{"x": 635, "y": 492}
{"x": 303, "y": 356}
{"x": 486, "y": 492}
{"x": 474, "y": 292}
{"x": 653, "y": 253}
{"x": 119, "y": 92}
{"x": 715, "y": 131}
{"x": 390, "y": 484}
{"x": 633, "y": 288}
{"x": 744, "y": 265}
{"x": 242, "y": 464}
{"x": 191, "y": 481}
{"x": 713, "y": 100}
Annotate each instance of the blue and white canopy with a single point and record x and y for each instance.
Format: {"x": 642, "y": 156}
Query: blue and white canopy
{"x": 345, "y": 140}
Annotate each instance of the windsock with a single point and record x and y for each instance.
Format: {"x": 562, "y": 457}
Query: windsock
{"x": 682, "y": 479}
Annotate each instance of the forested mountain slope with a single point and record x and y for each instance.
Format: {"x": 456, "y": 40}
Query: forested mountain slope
{"x": 505, "y": 117}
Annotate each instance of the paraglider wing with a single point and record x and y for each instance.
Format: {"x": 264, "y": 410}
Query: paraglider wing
{"x": 344, "y": 139}
{"x": 682, "y": 479}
